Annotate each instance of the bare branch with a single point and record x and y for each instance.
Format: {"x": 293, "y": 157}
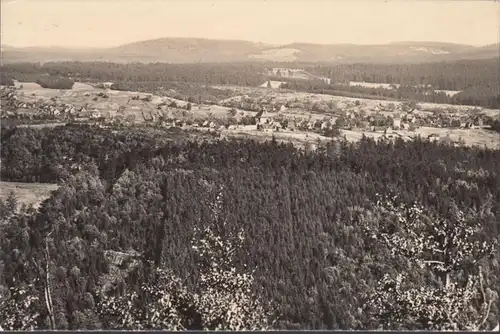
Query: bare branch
{"x": 486, "y": 304}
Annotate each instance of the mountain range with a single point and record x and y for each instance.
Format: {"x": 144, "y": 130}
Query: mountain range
{"x": 196, "y": 50}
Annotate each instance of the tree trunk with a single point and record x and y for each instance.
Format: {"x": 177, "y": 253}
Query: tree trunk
{"x": 48, "y": 294}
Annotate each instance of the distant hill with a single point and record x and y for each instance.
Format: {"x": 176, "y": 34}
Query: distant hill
{"x": 194, "y": 50}
{"x": 484, "y": 52}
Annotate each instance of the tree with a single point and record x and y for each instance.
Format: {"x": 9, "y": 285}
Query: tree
{"x": 409, "y": 105}
{"x": 161, "y": 303}
{"x": 45, "y": 274}
{"x": 446, "y": 249}
{"x": 269, "y": 84}
{"x": 19, "y": 310}
{"x": 11, "y": 202}
{"x": 340, "y": 122}
{"x": 224, "y": 300}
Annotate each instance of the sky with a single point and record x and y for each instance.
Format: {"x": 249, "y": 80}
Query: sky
{"x": 105, "y": 23}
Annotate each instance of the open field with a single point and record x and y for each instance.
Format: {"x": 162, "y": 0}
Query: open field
{"x": 27, "y": 193}
{"x": 342, "y": 102}
{"x": 41, "y": 126}
{"x": 85, "y": 95}
{"x": 476, "y": 137}
{"x": 448, "y": 92}
{"x": 125, "y": 103}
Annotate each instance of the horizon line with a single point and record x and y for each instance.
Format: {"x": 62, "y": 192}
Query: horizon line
{"x": 276, "y": 45}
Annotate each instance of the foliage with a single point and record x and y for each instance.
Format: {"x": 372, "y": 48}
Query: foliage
{"x": 132, "y": 200}
{"x": 19, "y": 310}
{"x": 6, "y": 80}
{"x": 55, "y": 82}
{"x": 446, "y": 248}
{"x": 162, "y": 303}
{"x": 225, "y": 301}
{"x": 222, "y": 302}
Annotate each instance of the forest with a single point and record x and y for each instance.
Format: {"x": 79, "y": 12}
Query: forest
{"x": 154, "y": 231}
{"x": 477, "y": 80}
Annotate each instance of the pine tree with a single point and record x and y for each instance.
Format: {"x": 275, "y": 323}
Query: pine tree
{"x": 11, "y": 202}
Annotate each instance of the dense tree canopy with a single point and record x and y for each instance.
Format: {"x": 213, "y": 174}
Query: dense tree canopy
{"x": 316, "y": 241}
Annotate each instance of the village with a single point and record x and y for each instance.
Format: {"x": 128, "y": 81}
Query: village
{"x": 264, "y": 111}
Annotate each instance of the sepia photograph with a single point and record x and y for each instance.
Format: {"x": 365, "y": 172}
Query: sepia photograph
{"x": 250, "y": 165}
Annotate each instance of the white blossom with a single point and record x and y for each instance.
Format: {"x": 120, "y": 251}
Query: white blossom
{"x": 444, "y": 247}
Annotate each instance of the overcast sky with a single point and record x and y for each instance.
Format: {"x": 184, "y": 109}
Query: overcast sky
{"x": 114, "y": 22}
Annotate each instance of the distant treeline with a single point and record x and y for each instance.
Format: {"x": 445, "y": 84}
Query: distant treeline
{"x": 6, "y": 80}
{"x": 210, "y": 74}
{"x": 476, "y": 79}
{"x": 460, "y": 75}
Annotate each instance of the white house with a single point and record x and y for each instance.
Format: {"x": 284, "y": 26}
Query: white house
{"x": 397, "y": 123}
{"x": 95, "y": 114}
{"x": 107, "y": 84}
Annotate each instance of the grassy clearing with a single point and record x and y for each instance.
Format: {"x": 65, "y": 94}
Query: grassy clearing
{"x": 27, "y": 193}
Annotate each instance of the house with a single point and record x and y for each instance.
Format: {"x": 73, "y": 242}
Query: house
{"x": 277, "y": 126}
{"x": 325, "y": 125}
{"x": 317, "y": 124}
{"x": 374, "y": 128}
{"x": 397, "y": 123}
{"x": 433, "y": 137}
{"x": 265, "y": 120}
{"x": 107, "y": 85}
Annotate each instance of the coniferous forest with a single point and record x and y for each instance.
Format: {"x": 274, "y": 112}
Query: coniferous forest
{"x": 475, "y": 80}
{"x": 152, "y": 230}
